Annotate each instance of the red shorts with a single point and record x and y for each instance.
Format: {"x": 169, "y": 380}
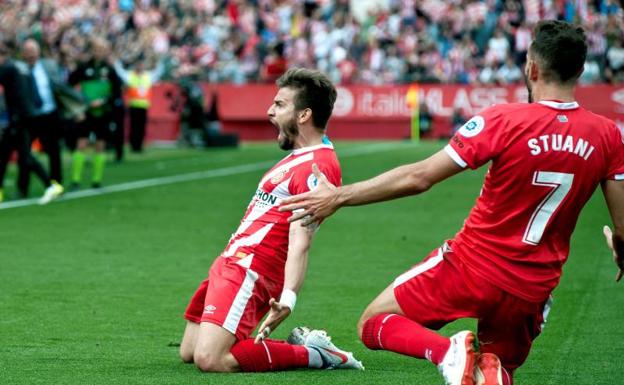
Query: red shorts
{"x": 233, "y": 297}
{"x": 441, "y": 289}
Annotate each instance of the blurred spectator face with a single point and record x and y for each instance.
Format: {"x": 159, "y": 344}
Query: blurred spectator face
{"x": 30, "y": 52}
{"x": 282, "y": 116}
{"x": 100, "y": 49}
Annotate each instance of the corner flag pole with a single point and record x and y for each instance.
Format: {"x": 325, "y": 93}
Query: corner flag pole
{"x": 412, "y": 102}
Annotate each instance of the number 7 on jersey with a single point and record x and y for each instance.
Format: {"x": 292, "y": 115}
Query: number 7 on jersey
{"x": 561, "y": 183}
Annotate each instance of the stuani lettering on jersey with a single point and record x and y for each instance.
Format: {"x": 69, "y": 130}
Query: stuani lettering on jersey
{"x": 560, "y": 143}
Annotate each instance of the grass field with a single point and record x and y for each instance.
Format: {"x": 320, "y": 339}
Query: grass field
{"x": 92, "y": 289}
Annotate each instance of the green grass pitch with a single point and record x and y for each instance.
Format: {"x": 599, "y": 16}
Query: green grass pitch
{"x": 92, "y": 290}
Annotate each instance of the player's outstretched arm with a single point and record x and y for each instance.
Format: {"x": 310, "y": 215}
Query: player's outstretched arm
{"x": 299, "y": 240}
{"x": 614, "y": 195}
{"x": 410, "y": 179}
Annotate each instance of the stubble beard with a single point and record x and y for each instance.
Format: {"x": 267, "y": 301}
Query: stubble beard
{"x": 289, "y": 132}
{"x": 529, "y": 90}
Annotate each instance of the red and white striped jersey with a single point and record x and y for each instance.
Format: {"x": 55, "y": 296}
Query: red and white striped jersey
{"x": 547, "y": 160}
{"x": 261, "y": 240}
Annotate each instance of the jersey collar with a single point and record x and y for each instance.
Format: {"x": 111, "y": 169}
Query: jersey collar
{"x": 559, "y": 105}
{"x": 303, "y": 150}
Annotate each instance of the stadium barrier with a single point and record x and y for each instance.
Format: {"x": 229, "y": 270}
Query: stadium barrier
{"x": 361, "y": 112}
{"x": 364, "y": 112}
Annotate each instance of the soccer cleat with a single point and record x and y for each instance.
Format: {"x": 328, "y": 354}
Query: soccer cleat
{"x": 298, "y": 335}
{"x": 488, "y": 370}
{"x": 457, "y": 366}
{"x": 51, "y": 193}
{"x": 333, "y": 358}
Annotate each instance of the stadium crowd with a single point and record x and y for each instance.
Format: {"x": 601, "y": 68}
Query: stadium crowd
{"x": 461, "y": 41}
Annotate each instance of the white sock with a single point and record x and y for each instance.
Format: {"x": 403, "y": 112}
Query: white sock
{"x": 314, "y": 358}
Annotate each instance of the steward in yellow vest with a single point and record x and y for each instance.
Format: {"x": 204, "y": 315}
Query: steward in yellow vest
{"x": 138, "y": 98}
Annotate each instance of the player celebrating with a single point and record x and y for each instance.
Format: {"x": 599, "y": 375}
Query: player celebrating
{"x": 547, "y": 158}
{"x": 267, "y": 255}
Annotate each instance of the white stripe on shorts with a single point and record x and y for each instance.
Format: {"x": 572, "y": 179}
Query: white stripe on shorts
{"x": 418, "y": 269}
{"x": 240, "y": 302}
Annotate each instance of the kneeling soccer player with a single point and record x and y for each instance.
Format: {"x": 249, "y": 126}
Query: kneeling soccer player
{"x": 267, "y": 257}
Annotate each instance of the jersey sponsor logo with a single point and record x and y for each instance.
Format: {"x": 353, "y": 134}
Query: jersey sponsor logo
{"x": 472, "y": 127}
{"x": 560, "y": 143}
{"x": 210, "y": 309}
{"x": 266, "y": 197}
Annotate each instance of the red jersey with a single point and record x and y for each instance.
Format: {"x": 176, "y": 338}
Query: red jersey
{"x": 261, "y": 241}
{"x": 547, "y": 160}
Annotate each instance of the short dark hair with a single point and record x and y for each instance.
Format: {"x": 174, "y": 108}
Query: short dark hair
{"x": 314, "y": 91}
{"x": 560, "y": 49}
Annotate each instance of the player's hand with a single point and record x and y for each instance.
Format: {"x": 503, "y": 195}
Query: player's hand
{"x": 277, "y": 314}
{"x": 618, "y": 259}
{"x": 315, "y": 205}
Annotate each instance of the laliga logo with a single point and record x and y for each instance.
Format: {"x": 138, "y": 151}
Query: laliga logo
{"x": 344, "y": 102}
{"x": 472, "y": 127}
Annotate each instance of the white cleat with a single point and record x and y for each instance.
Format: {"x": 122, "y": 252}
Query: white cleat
{"x": 298, "y": 335}
{"x": 333, "y": 358}
{"x": 457, "y": 367}
{"x": 51, "y": 193}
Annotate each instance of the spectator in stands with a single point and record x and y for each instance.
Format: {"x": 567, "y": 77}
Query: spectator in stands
{"x": 615, "y": 60}
{"x": 591, "y": 72}
{"x": 498, "y": 47}
{"x": 509, "y": 72}
{"x": 487, "y": 75}
{"x": 275, "y": 64}
{"x": 310, "y": 32}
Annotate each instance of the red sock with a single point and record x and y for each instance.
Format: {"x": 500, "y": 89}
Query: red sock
{"x": 269, "y": 355}
{"x": 399, "y": 334}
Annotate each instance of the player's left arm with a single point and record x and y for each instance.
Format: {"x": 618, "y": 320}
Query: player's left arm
{"x": 614, "y": 195}
{"x": 299, "y": 240}
{"x": 409, "y": 179}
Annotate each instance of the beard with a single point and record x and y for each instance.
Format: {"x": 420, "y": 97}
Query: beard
{"x": 288, "y": 133}
{"x": 529, "y": 89}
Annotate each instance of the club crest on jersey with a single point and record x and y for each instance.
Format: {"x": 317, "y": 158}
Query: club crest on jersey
{"x": 278, "y": 177}
{"x": 472, "y": 127}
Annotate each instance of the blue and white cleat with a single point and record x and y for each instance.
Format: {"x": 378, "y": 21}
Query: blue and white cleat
{"x": 332, "y": 356}
{"x": 298, "y": 335}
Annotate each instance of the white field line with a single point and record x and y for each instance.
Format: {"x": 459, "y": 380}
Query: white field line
{"x": 198, "y": 175}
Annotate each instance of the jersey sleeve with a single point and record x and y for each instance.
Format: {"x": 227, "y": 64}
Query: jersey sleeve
{"x": 479, "y": 140}
{"x": 616, "y": 160}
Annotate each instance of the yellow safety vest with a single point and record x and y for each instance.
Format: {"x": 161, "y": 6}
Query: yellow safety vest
{"x": 139, "y": 91}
